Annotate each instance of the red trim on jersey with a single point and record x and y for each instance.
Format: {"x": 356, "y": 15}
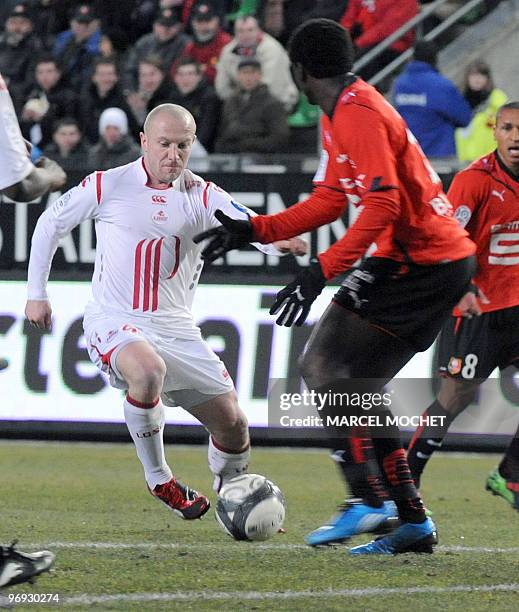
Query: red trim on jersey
{"x": 156, "y": 274}
{"x": 205, "y": 196}
{"x": 147, "y": 276}
{"x": 177, "y": 257}
{"x": 457, "y": 325}
{"x": 99, "y": 176}
{"x": 148, "y": 179}
{"x": 138, "y": 404}
{"x": 137, "y": 275}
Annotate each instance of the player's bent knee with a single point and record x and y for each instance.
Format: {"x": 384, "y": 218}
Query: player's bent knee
{"x": 455, "y": 395}
{"x": 142, "y": 368}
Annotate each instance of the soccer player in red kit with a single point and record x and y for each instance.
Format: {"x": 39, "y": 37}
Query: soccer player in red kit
{"x": 486, "y": 200}
{"x": 390, "y": 306}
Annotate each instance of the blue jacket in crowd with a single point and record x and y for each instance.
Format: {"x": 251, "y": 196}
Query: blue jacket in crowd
{"x": 432, "y": 108}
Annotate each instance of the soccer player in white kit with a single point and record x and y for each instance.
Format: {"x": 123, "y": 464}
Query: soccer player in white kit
{"x": 138, "y": 324}
{"x": 23, "y": 182}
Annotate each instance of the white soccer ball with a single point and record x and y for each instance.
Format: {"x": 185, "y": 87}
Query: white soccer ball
{"x": 250, "y": 507}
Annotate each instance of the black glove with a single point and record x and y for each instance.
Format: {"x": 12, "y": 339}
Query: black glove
{"x": 299, "y": 295}
{"x": 232, "y": 234}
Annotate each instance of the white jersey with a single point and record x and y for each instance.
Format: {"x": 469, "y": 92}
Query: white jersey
{"x": 147, "y": 266}
{"x": 15, "y": 164}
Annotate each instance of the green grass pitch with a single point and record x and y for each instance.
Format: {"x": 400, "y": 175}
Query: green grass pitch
{"x": 119, "y": 549}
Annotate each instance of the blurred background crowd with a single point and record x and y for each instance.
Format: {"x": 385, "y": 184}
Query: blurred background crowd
{"x": 83, "y": 75}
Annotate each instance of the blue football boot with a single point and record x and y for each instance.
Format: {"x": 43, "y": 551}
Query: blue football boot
{"x": 355, "y": 517}
{"x": 409, "y": 537}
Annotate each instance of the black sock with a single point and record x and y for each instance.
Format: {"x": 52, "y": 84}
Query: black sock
{"x": 362, "y": 477}
{"x": 393, "y": 463}
{"x": 426, "y": 440}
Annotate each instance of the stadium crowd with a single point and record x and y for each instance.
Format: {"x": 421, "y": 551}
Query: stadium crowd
{"x": 68, "y": 62}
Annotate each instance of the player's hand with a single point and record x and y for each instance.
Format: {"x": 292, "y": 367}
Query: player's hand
{"x": 297, "y": 298}
{"x": 232, "y": 234}
{"x": 54, "y": 172}
{"x": 296, "y": 246}
{"x": 39, "y": 313}
{"x": 470, "y": 304}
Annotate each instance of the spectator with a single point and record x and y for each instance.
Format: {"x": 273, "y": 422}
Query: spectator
{"x": 221, "y": 7}
{"x": 430, "y": 104}
{"x": 208, "y": 40}
{"x": 19, "y": 47}
{"x": 68, "y": 148}
{"x": 280, "y": 17}
{"x": 115, "y": 147}
{"x": 103, "y": 92}
{"x": 113, "y": 45}
{"x": 167, "y": 41}
{"x": 250, "y": 41}
{"x": 77, "y": 48}
{"x": 48, "y": 101}
{"x": 477, "y": 139}
{"x": 153, "y": 88}
{"x": 369, "y": 23}
{"x": 194, "y": 93}
{"x": 253, "y": 120}
{"x": 329, "y": 9}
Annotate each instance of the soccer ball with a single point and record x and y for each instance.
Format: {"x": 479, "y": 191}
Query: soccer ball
{"x": 250, "y": 507}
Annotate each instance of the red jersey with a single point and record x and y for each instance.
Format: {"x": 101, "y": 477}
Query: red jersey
{"x": 378, "y": 19}
{"x": 371, "y": 159}
{"x": 486, "y": 201}
{"x": 206, "y": 54}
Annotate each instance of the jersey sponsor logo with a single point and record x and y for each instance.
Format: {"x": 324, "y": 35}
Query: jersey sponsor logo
{"x": 463, "y": 215}
{"x": 498, "y": 194}
{"x": 356, "y": 183}
{"x": 502, "y": 249}
{"x": 342, "y": 158}
{"x": 454, "y": 366}
{"x": 158, "y": 199}
{"x": 160, "y": 217}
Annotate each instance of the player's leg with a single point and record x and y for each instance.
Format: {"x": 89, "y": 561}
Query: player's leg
{"x": 198, "y": 381}
{"x": 347, "y": 355}
{"x": 229, "y": 445}
{"x": 468, "y": 351}
{"x": 144, "y": 370}
{"x": 504, "y": 480}
{"x": 454, "y": 396}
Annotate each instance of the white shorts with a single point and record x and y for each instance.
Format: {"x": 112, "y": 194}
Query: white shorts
{"x": 194, "y": 374}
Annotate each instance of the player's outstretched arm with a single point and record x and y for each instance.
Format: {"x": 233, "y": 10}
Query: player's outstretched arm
{"x": 39, "y": 313}
{"x": 231, "y": 234}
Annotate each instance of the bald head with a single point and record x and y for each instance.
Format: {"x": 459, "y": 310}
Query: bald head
{"x": 167, "y": 137}
{"x": 174, "y": 112}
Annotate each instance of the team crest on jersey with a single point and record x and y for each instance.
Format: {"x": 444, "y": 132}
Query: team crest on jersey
{"x": 160, "y": 217}
{"x": 454, "y": 366}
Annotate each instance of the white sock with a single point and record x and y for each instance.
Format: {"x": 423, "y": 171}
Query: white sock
{"x": 226, "y": 465}
{"x": 146, "y": 426}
